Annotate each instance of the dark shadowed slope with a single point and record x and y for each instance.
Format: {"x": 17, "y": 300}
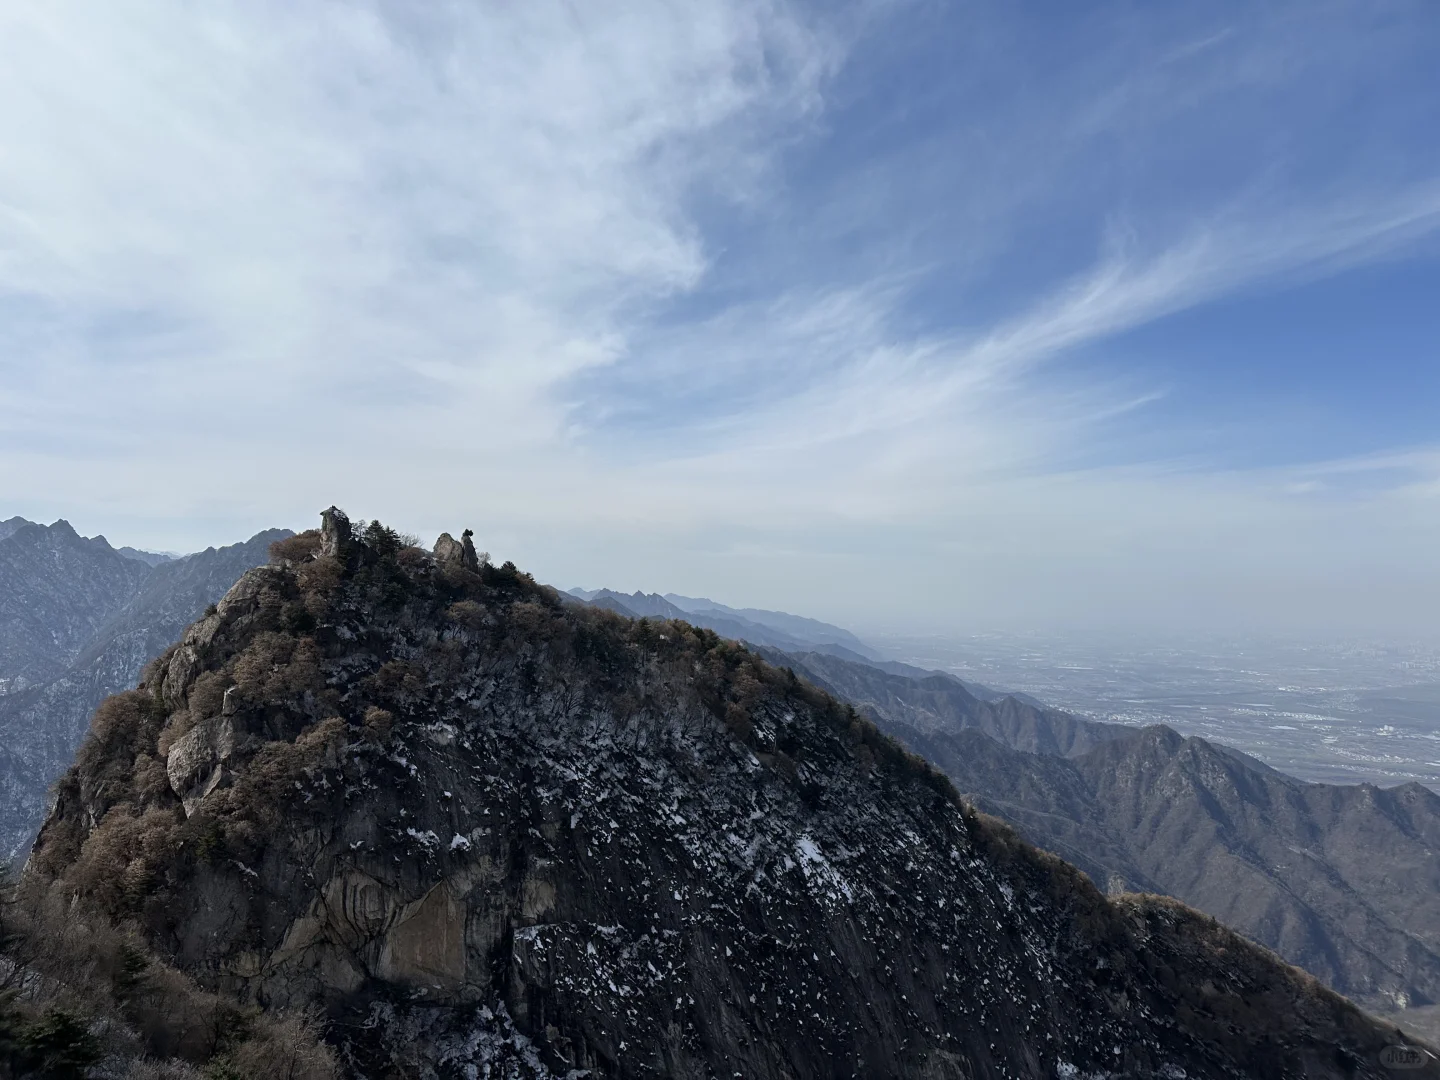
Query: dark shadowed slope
{"x": 934, "y": 701}
{"x": 41, "y": 725}
{"x": 497, "y": 834}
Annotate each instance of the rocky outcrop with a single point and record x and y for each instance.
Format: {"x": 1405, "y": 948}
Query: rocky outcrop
{"x": 335, "y": 533}
{"x": 457, "y": 554}
{"x": 492, "y": 833}
{"x": 196, "y": 764}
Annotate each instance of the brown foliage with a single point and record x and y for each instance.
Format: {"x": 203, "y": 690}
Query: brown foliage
{"x": 252, "y": 669}
{"x": 378, "y": 723}
{"x": 153, "y": 1021}
{"x": 296, "y": 549}
{"x": 207, "y": 694}
{"x": 467, "y": 613}
{"x": 288, "y": 1048}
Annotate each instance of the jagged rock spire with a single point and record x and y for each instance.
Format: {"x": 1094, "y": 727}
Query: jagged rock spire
{"x": 335, "y": 535}
{"x": 458, "y": 553}
{"x": 472, "y": 561}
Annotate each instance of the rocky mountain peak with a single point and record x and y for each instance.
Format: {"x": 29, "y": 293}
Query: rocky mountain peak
{"x": 494, "y": 833}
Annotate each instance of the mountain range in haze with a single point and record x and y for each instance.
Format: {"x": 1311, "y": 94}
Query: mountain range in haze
{"x": 489, "y": 831}
{"x": 775, "y": 628}
{"x": 1341, "y": 880}
{"x": 78, "y": 619}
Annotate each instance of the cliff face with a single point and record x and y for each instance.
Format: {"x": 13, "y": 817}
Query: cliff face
{"x": 494, "y": 834}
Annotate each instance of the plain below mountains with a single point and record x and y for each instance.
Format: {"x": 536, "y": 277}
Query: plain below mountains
{"x": 78, "y": 620}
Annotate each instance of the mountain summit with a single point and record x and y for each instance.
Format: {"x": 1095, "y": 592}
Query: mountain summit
{"x": 492, "y": 832}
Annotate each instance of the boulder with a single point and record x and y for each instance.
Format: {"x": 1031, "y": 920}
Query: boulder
{"x": 196, "y": 764}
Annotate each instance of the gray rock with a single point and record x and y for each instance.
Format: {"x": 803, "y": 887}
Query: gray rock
{"x": 449, "y": 551}
{"x": 336, "y": 539}
{"x": 196, "y": 764}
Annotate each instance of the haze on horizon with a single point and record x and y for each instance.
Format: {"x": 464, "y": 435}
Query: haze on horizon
{"x": 886, "y": 312}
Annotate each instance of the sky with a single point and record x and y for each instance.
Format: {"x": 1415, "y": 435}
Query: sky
{"x": 934, "y": 316}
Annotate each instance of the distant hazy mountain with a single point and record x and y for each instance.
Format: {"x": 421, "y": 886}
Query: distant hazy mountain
{"x": 796, "y": 626}
{"x": 149, "y": 558}
{"x": 776, "y": 629}
{"x": 78, "y": 621}
{"x": 931, "y": 701}
{"x": 1341, "y": 880}
{"x": 57, "y": 589}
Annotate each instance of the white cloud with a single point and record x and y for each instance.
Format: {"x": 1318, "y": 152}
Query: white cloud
{"x": 434, "y": 262}
{"x": 328, "y": 221}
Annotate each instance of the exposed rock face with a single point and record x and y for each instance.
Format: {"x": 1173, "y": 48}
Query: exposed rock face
{"x": 457, "y": 554}
{"x": 41, "y": 725}
{"x": 472, "y": 560}
{"x": 449, "y": 551}
{"x": 196, "y": 762}
{"x": 335, "y": 533}
{"x": 1342, "y": 880}
{"x": 494, "y": 834}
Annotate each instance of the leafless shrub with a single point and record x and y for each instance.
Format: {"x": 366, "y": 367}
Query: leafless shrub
{"x": 378, "y": 723}
{"x": 287, "y": 1048}
{"x": 150, "y": 1069}
{"x": 207, "y": 694}
{"x": 296, "y": 549}
{"x": 467, "y": 613}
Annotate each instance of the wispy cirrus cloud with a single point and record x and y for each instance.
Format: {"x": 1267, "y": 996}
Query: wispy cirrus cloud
{"x": 744, "y": 295}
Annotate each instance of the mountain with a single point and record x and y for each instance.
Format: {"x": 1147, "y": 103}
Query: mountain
{"x": 493, "y": 833}
{"x": 10, "y": 527}
{"x": 776, "y": 629}
{"x": 57, "y": 588}
{"x": 138, "y": 611}
{"x": 1342, "y": 881}
{"x": 149, "y": 558}
{"x": 796, "y": 626}
{"x": 933, "y": 701}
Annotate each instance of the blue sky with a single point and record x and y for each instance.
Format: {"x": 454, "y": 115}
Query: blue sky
{"x": 898, "y": 313}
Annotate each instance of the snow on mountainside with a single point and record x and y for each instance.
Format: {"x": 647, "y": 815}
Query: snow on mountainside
{"x": 495, "y": 833}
